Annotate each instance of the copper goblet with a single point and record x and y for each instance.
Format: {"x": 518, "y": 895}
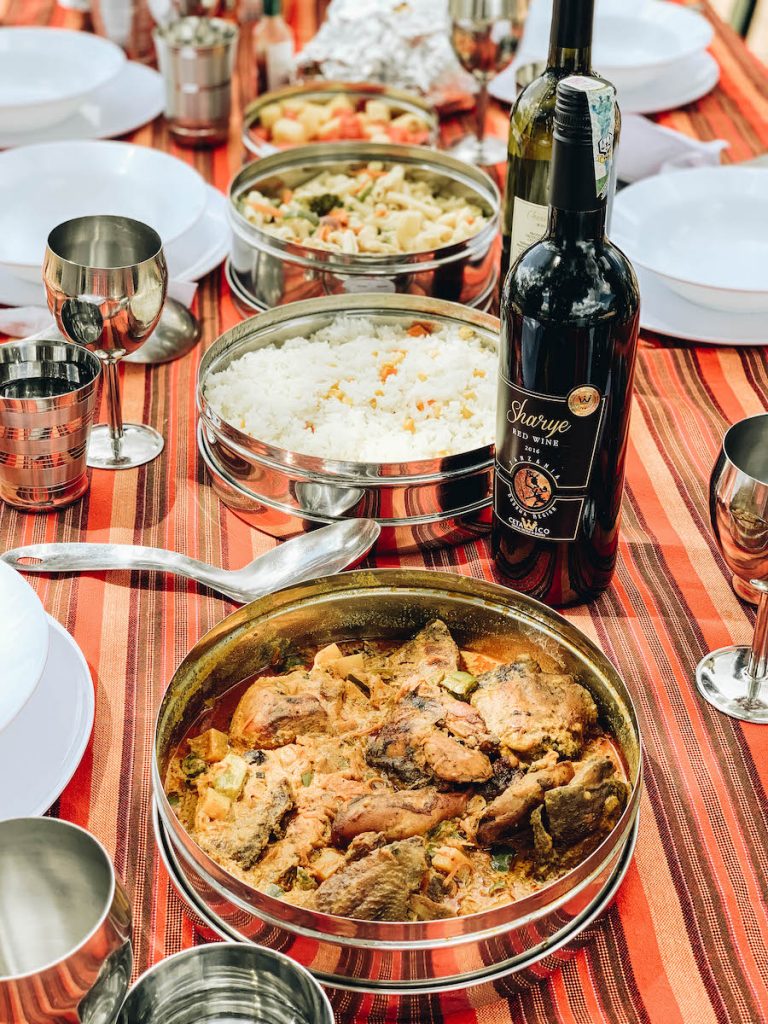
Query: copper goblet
{"x": 106, "y": 279}
{"x": 735, "y": 679}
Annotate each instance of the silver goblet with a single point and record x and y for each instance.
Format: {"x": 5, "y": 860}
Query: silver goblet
{"x": 485, "y": 35}
{"x": 106, "y": 280}
{"x": 735, "y": 679}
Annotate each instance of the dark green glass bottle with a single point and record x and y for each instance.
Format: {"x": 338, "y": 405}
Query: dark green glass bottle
{"x": 569, "y": 323}
{"x": 530, "y": 129}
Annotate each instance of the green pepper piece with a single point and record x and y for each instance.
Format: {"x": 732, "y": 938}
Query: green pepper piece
{"x": 500, "y": 859}
{"x": 306, "y": 778}
{"x": 192, "y": 766}
{"x": 460, "y": 684}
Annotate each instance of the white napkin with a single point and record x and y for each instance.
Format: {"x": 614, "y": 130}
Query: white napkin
{"x": 31, "y": 321}
{"x": 647, "y": 148}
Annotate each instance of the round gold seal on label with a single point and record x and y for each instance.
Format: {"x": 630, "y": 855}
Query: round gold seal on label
{"x": 584, "y": 400}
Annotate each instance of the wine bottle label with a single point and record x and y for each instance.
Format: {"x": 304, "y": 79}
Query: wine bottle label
{"x": 545, "y": 457}
{"x": 529, "y": 225}
{"x": 279, "y": 64}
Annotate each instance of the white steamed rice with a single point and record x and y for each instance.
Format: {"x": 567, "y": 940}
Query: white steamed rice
{"x": 364, "y": 392}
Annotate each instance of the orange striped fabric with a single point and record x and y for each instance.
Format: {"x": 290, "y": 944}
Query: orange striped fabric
{"x": 686, "y": 938}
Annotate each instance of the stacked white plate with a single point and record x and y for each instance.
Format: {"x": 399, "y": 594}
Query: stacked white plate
{"x": 58, "y": 84}
{"x": 56, "y": 181}
{"x": 653, "y": 51}
{"x": 46, "y": 702}
{"x": 697, "y": 239}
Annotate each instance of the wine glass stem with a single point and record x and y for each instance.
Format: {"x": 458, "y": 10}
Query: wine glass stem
{"x": 114, "y": 412}
{"x": 758, "y": 658}
{"x": 481, "y": 110}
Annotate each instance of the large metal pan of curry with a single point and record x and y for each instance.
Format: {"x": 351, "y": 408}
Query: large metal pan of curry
{"x": 403, "y": 779}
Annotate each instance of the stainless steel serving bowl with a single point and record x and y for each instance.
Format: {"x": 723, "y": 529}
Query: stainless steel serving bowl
{"x": 65, "y": 926}
{"x": 420, "y": 504}
{"x": 358, "y": 93}
{"x": 386, "y": 956}
{"x": 223, "y": 982}
{"x": 411, "y": 1003}
{"x": 271, "y": 272}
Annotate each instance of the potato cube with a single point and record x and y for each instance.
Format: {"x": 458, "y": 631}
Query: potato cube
{"x": 378, "y": 110}
{"x": 270, "y": 114}
{"x": 288, "y": 131}
{"x": 327, "y": 655}
{"x": 213, "y": 804}
{"x": 211, "y": 745}
{"x": 340, "y": 103}
{"x": 312, "y": 117}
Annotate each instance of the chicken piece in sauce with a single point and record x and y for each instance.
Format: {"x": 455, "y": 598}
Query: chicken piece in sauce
{"x": 274, "y": 711}
{"x": 377, "y": 887}
{"x": 396, "y": 815}
{"x": 533, "y": 712}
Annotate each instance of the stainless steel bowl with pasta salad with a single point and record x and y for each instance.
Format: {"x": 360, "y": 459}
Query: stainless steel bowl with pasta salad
{"x": 363, "y": 217}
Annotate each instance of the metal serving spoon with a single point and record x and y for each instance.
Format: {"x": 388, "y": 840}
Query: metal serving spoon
{"x": 321, "y": 552}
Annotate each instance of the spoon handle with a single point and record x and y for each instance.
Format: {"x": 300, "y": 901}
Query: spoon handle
{"x": 47, "y": 558}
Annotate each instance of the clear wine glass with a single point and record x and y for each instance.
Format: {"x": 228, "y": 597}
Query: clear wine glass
{"x": 106, "y": 279}
{"x": 484, "y": 35}
{"x": 735, "y": 679}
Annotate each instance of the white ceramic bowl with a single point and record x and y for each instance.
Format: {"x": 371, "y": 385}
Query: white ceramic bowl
{"x": 46, "y": 73}
{"x": 23, "y": 643}
{"x": 703, "y": 232}
{"x": 635, "y": 42}
{"x": 55, "y": 181}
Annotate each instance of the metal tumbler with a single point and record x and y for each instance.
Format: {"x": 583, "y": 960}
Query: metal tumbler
{"x": 47, "y": 402}
{"x": 196, "y": 57}
{"x": 65, "y": 926}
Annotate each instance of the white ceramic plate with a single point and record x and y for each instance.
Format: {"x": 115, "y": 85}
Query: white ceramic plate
{"x": 135, "y": 97}
{"x": 689, "y": 81}
{"x": 23, "y": 643}
{"x": 205, "y": 245}
{"x": 54, "y": 181}
{"x": 41, "y": 749}
{"x": 704, "y": 231}
{"x": 199, "y": 251}
{"x": 638, "y": 40}
{"x": 45, "y": 73}
{"x": 666, "y": 312}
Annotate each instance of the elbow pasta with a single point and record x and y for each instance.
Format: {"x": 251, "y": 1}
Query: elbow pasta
{"x": 372, "y": 210}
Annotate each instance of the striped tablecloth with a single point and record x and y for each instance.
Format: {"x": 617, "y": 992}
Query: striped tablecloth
{"x": 686, "y": 938}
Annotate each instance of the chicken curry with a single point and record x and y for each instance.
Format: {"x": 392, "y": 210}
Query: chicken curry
{"x": 400, "y": 783}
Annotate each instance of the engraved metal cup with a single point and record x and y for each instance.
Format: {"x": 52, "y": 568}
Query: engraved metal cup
{"x": 106, "y": 279}
{"x": 198, "y": 78}
{"x": 65, "y": 926}
{"x": 47, "y": 401}
{"x": 735, "y": 679}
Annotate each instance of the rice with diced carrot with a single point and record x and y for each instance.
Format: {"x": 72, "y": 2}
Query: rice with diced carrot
{"x": 362, "y": 391}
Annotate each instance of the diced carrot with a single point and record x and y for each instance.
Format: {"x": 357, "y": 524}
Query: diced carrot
{"x": 387, "y": 370}
{"x": 419, "y": 329}
{"x": 286, "y": 195}
{"x": 409, "y": 425}
{"x": 265, "y": 208}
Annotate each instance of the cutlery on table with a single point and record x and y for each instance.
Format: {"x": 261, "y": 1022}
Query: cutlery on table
{"x": 321, "y": 552}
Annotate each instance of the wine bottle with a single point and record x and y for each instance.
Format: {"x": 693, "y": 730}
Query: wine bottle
{"x": 569, "y": 322}
{"x": 272, "y": 49}
{"x": 530, "y": 129}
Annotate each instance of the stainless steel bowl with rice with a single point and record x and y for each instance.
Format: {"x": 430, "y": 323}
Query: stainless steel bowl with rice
{"x": 376, "y": 406}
